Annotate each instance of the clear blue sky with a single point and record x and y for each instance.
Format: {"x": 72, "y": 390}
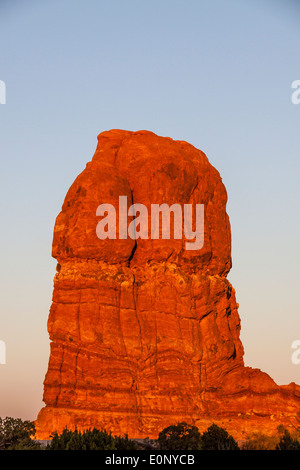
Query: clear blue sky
{"x": 215, "y": 73}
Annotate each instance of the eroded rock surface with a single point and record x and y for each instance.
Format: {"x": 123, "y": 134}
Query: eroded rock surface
{"x": 145, "y": 333}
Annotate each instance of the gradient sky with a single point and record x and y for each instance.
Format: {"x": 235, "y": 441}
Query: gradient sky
{"x": 215, "y": 73}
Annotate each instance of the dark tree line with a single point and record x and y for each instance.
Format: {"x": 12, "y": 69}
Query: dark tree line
{"x": 16, "y": 434}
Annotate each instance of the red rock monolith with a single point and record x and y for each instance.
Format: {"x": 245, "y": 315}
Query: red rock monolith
{"x": 145, "y": 333}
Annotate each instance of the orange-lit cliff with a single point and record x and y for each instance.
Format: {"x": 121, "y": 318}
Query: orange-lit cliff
{"x": 146, "y": 333}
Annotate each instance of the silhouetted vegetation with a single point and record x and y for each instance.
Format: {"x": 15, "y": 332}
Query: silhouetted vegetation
{"x": 16, "y": 434}
{"x": 287, "y": 442}
{"x": 216, "y": 438}
{"x": 260, "y": 441}
{"x": 181, "y": 436}
{"x": 282, "y": 440}
{"x": 185, "y": 437}
{"x": 89, "y": 440}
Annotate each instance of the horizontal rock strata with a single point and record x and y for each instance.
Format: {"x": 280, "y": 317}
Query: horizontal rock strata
{"x": 145, "y": 333}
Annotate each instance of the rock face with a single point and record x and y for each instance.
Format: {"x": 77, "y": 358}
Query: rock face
{"x": 143, "y": 332}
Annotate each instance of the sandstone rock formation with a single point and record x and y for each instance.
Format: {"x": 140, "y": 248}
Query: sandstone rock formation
{"x": 143, "y": 332}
